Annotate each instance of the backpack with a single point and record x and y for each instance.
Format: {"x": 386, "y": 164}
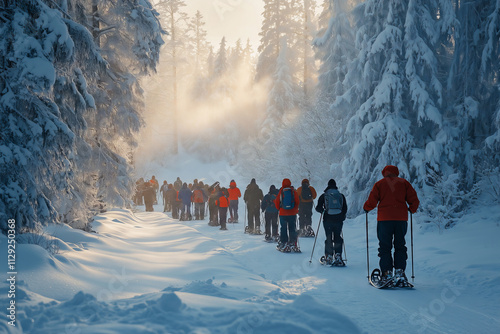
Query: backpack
{"x": 287, "y": 201}
{"x": 198, "y": 196}
{"x": 333, "y": 202}
{"x": 306, "y": 193}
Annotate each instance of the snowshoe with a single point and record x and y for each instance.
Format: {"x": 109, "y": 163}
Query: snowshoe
{"x": 248, "y": 230}
{"x": 283, "y": 247}
{"x": 268, "y": 238}
{"x": 276, "y": 238}
{"x": 380, "y": 281}
{"x": 294, "y": 247}
{"x": 400, "y": 279}
{"x": 308, "y": 232}
{"x": 257, "y": 232}
{"x": 338, "y": 262}
{"x": 326, "y": 260}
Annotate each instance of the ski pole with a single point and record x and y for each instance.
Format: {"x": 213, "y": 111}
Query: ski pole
{"x": 367, "y": 251}
{"x": 343, "y": 244}
{"x": 412, "y": 266}
{"x": 245, "y": 222}
{"x": 316, "y": 237}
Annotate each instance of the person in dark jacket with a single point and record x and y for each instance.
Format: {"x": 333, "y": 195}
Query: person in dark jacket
{"x": 212, "y": 207}
{"x": 139, "y": 189}
{"x": 333, "y": 221}
{"x": 394, "y": 197}
{"x": 270, "y": 215}
{"x": 307, "y": 195}
{"x": 252, "y": 197}
{"x": 163, "y": 192}
{"x": 149, "y": 196}
{"x": 185, "y": 196}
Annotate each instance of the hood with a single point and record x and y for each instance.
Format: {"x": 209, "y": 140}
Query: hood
{"x": 286, "y": 183}
{"x": 184, "y": 186}
{"x": 390, "y": 171}
{"x": 272, "y": 189}
{"x": 305, "y": 181}
{"x": 232, "y": 184}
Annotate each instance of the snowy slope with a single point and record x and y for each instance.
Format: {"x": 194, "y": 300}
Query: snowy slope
{"x": 147, "y": 273}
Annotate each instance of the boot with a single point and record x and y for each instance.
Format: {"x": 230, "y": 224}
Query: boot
{"x": 338, "y": 260}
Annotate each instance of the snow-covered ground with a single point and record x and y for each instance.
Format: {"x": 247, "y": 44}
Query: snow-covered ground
{"x": 148, "y": 273}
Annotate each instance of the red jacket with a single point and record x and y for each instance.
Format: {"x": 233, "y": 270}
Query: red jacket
{"x": 392, "y": 194}
{"x": 234, "y": 192}
{"x": 222, "y": 202}
{"x": 291, "y": 212}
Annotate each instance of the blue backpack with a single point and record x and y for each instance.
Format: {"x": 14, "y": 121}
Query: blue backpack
{"x": 287, "y": 201}
{"x": 333, "y": 202}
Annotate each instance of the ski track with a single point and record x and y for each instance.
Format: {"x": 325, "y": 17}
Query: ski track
{"x": 220, "y": 277}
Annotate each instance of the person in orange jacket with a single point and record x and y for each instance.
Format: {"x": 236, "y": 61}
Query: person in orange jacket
{"x": 287, "y": 202}
{"x": 234, "y": 194}
{"x": 222, "y": 203}
{"x": 307, "y": 195}
{"x": 394, "y": 197}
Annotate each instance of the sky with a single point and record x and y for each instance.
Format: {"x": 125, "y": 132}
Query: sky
{"x": 230, "y": 18}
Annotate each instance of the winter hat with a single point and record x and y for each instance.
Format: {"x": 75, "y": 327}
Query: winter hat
{"x": 272, "y": 188}
{"x": 253, "y": 181}
{"x": 390, "y": 171}
{"x": 332, "y": 183}
{"x": 305, "y": 181}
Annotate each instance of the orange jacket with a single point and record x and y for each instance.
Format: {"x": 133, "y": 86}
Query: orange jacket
{"x": 392, "y": 194}
{"x": 277, "y": 202}
{"x": 222, "y": 202}
{"x": 234, "y": 192}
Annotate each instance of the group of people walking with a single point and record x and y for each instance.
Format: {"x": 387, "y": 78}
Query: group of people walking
{"x": 394, "y": 197}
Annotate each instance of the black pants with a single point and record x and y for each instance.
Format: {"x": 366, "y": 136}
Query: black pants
{"x": 176, "y": 206}
{"x": 253, "y": 216}
{"x": 391, "y": 233}
{"x": 334, "y": 241}
{"x": 305, "y": 214}
{"x": 222, "y": 217}
{"x": 271, "y": 223}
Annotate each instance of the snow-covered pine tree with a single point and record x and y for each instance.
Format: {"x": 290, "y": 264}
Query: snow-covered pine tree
{"x": 379, "y": 132}
{"x": 199, "y": 42}
{"x": 335, "y": 48}
{"x": 36, "y": 145}
{"x": 176, "y": 54}
{"x": 473, "y": 90}
{"x": 280, "y": 19}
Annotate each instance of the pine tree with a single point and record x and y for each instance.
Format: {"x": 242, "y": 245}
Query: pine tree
{"x": 176, "y": 52}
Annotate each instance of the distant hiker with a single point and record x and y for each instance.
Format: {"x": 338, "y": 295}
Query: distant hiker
{"x": 178, "y": 184}
{"x": 177, "y": 203}
{"x": 199, "y": 198}
{"x": 163, "y": 192}
{"x": 287, "y": 202}
{"x": 222, "y": 203}
{"x": 252, "y": 197}
{"x": 307, "y": 194}
{"x": 392, "y": 194}
{"x": 139, "y": 188}
{"x": 333, "y": 205}
{"x": 156, "y": 187}
{"x": 185, "y": 196}
{"x": 212, "y": 206}
{"x": 149, "y": 196}
{"x": 170, "y": 198}
{"x": 234, "y": 194}
{"x": 270, "y": 215}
